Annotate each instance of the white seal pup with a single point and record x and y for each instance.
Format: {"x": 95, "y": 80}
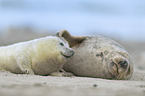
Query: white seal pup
{"x": 41, "y": 56}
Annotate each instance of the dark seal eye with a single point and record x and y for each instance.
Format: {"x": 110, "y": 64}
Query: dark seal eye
{"x": 61, "y": 44}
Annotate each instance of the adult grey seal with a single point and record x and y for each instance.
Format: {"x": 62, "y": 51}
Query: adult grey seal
{"x": 97, "y": 56}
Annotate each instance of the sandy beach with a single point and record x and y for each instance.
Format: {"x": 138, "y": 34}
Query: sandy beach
{"x": 34, "y": 85}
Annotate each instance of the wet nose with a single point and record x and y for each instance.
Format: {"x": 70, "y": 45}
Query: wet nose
{"x": 123, "y": 63}
{"x": 72, "y": 52}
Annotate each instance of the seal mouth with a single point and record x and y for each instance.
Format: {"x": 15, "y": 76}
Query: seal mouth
{"x": 114, "y": 70}
{"x": 67, "y": 56}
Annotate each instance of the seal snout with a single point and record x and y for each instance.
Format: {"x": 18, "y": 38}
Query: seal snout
{"x": 72, "y": 52}
{"x": 123, "y": 64}
{"x": 68, "y": 53}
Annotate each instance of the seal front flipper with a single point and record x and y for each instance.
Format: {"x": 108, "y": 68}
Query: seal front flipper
{"x": 24, "y": 63}
{"x": 72, "y": 40}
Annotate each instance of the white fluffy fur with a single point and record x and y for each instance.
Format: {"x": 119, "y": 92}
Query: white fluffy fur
{"x": 40, "y": 56}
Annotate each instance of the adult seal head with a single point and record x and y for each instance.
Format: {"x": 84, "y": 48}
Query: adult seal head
{"x": 97, "y": 56}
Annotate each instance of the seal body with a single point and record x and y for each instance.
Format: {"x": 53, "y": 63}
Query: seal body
{"x": 98, "y": 56}
{"x": 40, "y": 56}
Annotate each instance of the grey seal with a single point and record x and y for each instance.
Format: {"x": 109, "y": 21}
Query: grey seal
{"x": 97, "y": 56}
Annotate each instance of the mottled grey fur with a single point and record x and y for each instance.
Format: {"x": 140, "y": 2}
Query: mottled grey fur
{"x": 97, "y": 56}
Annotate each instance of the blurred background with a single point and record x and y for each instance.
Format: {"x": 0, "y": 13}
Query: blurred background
{"x": 122, "y": 20}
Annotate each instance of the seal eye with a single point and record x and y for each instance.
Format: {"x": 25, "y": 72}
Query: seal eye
{"x": 61, "y": 44}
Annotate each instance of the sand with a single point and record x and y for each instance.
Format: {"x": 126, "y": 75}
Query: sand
{"x": 35, "y": 85}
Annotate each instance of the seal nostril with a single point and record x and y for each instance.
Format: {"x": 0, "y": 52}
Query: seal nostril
{"x": 123, "y": 64}
{"x": 72, "y": 52}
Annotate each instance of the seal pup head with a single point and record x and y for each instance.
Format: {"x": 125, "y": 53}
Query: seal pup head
{"x": 64, "y": 48}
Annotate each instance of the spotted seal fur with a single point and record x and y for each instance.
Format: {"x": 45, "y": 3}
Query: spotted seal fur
{"x": 97, "y": 56}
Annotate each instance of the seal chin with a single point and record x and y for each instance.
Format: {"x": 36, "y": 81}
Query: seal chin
{"x": 121, "y": 76}
{"x": 67, "y": 56}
